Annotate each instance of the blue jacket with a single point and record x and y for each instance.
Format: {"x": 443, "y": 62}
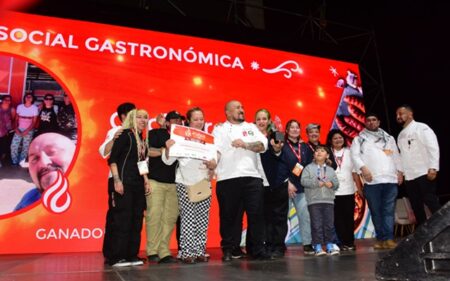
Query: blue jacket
{"x": 270, "y": 163}
{"x": 29, "y": 198}
{"x": 288, "y": 160}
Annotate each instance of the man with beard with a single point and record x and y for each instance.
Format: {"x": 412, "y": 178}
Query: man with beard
{"x": 48, "y": 154}
{"x": 419, "y": 151}
{"x": 375, "y": 154}
{"x": 239, "y": 183}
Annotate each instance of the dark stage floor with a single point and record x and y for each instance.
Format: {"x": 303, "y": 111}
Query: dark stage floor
{"x": 359, "y": 265}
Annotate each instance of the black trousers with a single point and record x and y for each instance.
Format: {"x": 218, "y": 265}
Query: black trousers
{"x": 124, "y": 221}
{"x": 344, "y": 208}
{"x": 106, "y": 249}
{"x": 235, "y": 195}
{"x": 276, "y": 207}
{"x": 5, "y": 146}
{"x": 422, "y": 191}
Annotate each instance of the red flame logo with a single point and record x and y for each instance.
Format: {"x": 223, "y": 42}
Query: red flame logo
{"x": 56, "y": 198}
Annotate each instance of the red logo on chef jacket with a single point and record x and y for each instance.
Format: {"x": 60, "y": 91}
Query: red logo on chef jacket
{"x": 244, "y": 133}
{"x": 56, "y": 198}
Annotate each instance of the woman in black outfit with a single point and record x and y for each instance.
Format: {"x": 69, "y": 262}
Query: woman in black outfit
{"x": 276, "y": 200}
{"x": 127, "y": 193}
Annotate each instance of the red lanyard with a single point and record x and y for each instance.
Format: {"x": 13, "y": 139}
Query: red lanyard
{"x": 299, "y": 154}
{"x": 338, "y": 160}
{"x": 310, "y": 146}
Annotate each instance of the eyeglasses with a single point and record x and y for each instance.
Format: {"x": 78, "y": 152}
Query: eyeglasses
{"x": 48, "y": 99}
{"x": 28, "y": 97}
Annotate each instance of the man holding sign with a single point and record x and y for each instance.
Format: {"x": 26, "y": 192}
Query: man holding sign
{"x": 239, "y": 184}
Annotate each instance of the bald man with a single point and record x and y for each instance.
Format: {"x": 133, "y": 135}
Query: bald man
{"x": 239, "y": 183}
{"x": 48, "y": 153}
{"x": 419, "y": 152}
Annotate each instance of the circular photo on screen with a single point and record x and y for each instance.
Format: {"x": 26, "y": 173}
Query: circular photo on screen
{"x": 38, "y": 138}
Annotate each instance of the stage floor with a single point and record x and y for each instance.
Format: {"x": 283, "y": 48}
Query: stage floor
{"x": 359, "y": 265}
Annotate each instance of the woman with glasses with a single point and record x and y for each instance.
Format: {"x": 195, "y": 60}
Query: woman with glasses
{"x": 67, "y": 120}
{"x": 47, "y": 121}
{"x": 24, "y": 123}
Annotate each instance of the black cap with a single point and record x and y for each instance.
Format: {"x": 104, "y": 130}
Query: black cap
{"x": 174, "y": 115}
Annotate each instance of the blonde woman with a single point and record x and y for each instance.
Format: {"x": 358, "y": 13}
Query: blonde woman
{"x": 127, "y": 195}
{"x": 194, "y": 215}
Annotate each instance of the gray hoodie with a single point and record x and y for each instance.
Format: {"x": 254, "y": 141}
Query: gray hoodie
{"x": 313, "y": 192}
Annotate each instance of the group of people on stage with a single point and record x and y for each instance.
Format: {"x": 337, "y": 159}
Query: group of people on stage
{"x": 20, "y": 125}
{"x": 258, "y": 172}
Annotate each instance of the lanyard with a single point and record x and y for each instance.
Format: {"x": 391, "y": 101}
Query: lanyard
{"x": 310, "y": 146}
{"x": 321, "y": 173}
{"x": 299, "y": 154}
{"x": 140, "y": 145}
{"x": 338, "y": 160}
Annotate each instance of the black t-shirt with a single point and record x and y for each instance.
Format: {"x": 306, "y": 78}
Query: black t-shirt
{"x": 158, "y": 170}
{"x": 47, "y": 121}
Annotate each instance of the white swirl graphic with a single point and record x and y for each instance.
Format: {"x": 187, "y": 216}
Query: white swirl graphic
{"x": 55, "y": 192}
{"x": 287, "y": 70}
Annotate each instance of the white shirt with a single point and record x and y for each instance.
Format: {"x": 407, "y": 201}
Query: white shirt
{"x": 109, "y": 137}
{"x": 237, "y": 162}
{"x": 28, "y": 113}
{"x": 419, "y": 150}
{"x": 371, "y": 153}
{"x": 189, "y": 171}
{"x": 344, "y": 172}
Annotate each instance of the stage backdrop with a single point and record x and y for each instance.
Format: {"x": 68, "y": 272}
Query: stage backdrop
{"x": 100, "y": 66}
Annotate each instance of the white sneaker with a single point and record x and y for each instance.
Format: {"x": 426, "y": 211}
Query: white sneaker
{"x": 318, "y": 251}
{"x": 333, "y": 250}
{"x": 122, "y": 263}
{"x": 136, "y": 262}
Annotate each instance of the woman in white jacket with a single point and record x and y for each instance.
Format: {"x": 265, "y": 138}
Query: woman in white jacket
{"x": 194, "y": 215}
{"x": 349, "y": 183}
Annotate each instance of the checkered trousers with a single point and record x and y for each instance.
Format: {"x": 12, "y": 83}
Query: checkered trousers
{"x": 194, "y": 224}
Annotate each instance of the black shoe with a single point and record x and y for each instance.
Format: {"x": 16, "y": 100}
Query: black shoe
{"x": 227, "y": 256}
{"x": 237, "y": 253}
{"x": 136, "y": 261}
{"x": 348, "y": 248}
{"x": 167, "y": 259}
{"x": 277, "y": 254}
{"x": 308, "y": 250}
{"x": 121, "y": 263}
{"x": 263, "y": 257}
{"x": 153, "y": 258}
{"x": 189, "y": 260}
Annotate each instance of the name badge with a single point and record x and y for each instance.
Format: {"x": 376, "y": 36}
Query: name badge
{"x": 143, "y": 167}
{"x": 297, "y": 170}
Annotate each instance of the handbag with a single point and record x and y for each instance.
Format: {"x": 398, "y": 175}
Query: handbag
{"x": 199, "y": 191}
